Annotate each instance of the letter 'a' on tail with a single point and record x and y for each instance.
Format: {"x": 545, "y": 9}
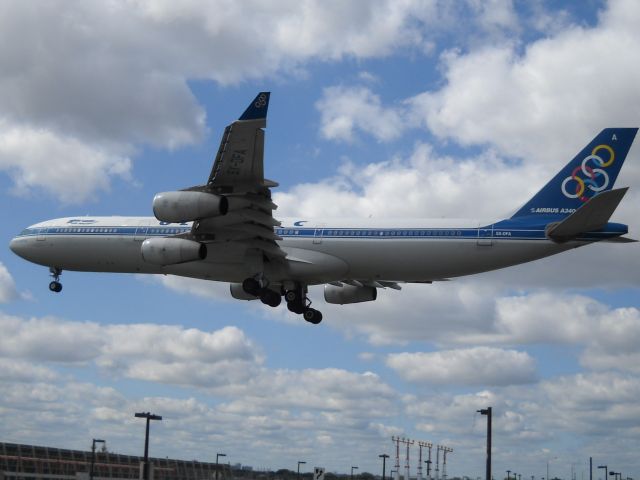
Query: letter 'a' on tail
{"x": 592, "y": 171}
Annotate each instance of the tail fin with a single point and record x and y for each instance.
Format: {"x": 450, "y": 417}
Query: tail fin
{"x": 592, "y": 171}
{"x": 258, "y": 108}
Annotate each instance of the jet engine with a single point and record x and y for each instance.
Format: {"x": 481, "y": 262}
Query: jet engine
{"x": 238, "y": 292}
{"x": 349, "y": 294}
{"x": 179, "y": 207}
{"x": 170, "y": 251}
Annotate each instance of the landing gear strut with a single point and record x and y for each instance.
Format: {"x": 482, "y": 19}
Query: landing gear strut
{"x": 55, "y": 286}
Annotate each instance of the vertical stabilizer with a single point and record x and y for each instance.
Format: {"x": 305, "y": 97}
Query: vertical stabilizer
{"x": 592, "y": 171}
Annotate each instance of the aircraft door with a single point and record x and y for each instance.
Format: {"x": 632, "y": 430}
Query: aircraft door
{"x": 485, "y": 235}
{"x": 317, "y": 235}
{"x": 141, "y": 233}
{"x": 42, "y": 234}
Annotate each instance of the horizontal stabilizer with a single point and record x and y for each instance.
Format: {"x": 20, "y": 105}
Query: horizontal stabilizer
{"x": 591, "y": 216}
{"x": 620, "y": 240}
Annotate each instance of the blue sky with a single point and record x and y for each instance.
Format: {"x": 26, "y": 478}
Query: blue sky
{"x": 389, "y": 109}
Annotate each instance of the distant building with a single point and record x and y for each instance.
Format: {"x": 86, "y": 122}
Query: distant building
{"x": 29, "y": 462}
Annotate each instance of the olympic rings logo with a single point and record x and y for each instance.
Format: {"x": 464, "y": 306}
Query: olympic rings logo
{"x": 590, "y": 175}
{"x": 261, "y": 101}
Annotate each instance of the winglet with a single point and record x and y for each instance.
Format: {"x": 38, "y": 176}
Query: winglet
{"x": 257, "y": 109}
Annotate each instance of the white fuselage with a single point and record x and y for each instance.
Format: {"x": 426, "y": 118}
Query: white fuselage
{"x": 318, "y": 251}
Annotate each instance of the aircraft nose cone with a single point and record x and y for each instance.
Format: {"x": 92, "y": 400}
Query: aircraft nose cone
{"x": 18, "y": 246}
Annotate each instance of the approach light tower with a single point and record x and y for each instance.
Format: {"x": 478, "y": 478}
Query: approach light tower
{"x": 420, "y": 445}
{"x": 396, "y": 469}
{"x": 408, "y": 443}
{"x": 438, "y": 448}
{"x": 407, "y": 465}
{"x": 444, "y": 461}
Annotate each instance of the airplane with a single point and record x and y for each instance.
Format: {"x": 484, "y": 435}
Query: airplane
{"x": 225, "y": 230}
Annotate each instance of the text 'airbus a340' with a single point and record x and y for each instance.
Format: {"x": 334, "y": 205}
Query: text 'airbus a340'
{"x": 225, "y": 230}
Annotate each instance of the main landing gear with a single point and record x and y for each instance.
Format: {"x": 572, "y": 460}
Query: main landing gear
{"x": 297, "y": 300}
{"x": 267, "y": 296}
{"x": 55, "y": 286}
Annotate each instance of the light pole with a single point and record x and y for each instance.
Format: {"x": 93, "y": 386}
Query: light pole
{"x": 488, "y": 412}
{"x": 548, "y": 460}
{"x": 93, "y": 455}
{"x": 352, "y": 469}
{"x": 300, "y": 463}
{"x": 384, "y": 457}
{"x": 149, "y": 417}
{"x": 606, "y": 472}
{"x": 428, "y": 462}
{"x": 218, "y": 455}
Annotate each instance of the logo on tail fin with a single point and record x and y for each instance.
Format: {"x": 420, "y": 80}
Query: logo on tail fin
{"x": 590, "y": 177}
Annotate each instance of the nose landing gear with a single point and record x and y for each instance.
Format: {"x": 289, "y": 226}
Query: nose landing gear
{"x": 55, "y": 286}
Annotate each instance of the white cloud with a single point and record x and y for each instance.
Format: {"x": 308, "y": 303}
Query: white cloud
{"x": 12, "y": 370}
{"x": 520, "y": 102}
{"x": 422, "y": 185}
{"x": 193, "y": 286}
{"x": 84, "y": 84}
{"x": 103, "y": 79}
{"x": 615, "y": 344}
{"x": 471, "y": 366}
{"x": 62, "y": 166}
{"x": 158, "y": 353}
{"x": 8, "y": 289}
{"x": 343, "y": 111}
{"x": 543, "y": 318}
{"x": 495, "y": 15}
{"x": 49, "y": 339}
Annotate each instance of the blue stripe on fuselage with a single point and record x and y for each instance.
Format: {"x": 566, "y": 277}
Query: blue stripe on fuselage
{"x": 505, "y": 230}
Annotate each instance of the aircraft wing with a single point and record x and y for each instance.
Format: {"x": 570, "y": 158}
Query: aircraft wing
{"x": 238, "y": 174}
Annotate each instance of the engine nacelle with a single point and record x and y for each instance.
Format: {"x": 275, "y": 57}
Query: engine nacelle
{"x": 170, "y": 251}
{"x": 349, "y": 294}
{"x": 238, "y": 292}
{"x": 179, "y": 207}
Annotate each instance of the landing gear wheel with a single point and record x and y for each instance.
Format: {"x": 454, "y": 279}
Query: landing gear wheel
{"x": 291, "y": 296}
{"x": 312, "y": 315}
{"x": 295, "y": 307}
{"x": 55, "y": 286}
{"x": 251, "y": 286}
{"x": 271, "y": 298}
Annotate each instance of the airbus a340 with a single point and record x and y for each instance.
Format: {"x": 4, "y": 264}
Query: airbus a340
{"x": 225, "y": 230}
